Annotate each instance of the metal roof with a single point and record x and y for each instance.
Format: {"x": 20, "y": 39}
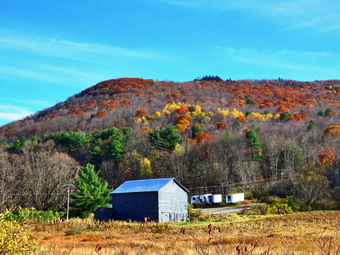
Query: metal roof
{"x": 147, "y": 185}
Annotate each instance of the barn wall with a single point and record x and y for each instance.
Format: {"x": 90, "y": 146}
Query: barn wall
{"x": 135, "y": 206}
{"x": 173, "y": 203}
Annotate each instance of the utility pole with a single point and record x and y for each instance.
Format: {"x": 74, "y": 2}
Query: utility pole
{"x": 68, "y": 199}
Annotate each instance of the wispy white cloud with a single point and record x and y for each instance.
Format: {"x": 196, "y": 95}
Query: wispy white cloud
{"x": 313, "y": 62}
{"x": 37, "y": 102}
{"x": 74, "y": 50}
{"x": 316, "y": 15}
{"x": 18, "y": 73}
{"x": 11, "y": 113}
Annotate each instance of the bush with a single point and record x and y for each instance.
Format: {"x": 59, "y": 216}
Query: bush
{"x": 32, "y": 215}
{"x": 258, "y": 194}
{"x": 195, "y": 215}
{"x": 14, "y": 240}
{"x": 280, "y": 208}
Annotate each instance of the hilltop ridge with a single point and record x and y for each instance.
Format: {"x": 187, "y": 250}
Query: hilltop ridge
{"x": 115, "y": 103}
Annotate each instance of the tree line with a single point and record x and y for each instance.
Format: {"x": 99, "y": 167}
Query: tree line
{"x": 35, "y": 170}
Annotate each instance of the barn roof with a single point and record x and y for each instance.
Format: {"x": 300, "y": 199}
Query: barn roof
{"x": 147, "y": 185}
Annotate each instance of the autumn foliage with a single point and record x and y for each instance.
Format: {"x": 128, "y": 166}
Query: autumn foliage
{"x": 332, "y": 131}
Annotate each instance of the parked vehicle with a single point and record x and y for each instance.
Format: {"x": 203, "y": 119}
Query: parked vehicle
{"x": 215, "y": 199}
{"x": 205, "y": 199}
{"x": 194, "y": 199}
{"x": 234, "y": 198}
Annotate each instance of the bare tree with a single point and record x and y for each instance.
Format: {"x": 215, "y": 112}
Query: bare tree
{"x": 9, "y": 193}
{"x": 45, "y": 171}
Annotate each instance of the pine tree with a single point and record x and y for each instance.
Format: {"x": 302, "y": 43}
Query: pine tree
{"x": 254, "y": 143}
{"x": 91, "y": 194}
{"x": 165, "y": 138}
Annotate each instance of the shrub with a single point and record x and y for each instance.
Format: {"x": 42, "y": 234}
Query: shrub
{"x": 32, "y": 215}
{"x": 14, "y": 240}
{"x": 280, "y": 208}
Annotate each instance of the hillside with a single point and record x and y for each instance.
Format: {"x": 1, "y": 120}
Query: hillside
{"x": 213, "y": 136}
{"x": 115, "y": 103}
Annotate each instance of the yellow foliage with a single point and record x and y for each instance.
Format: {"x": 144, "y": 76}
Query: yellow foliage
{"x": 198, "y": 110}
{"x": 236, "y": 113}
{"x": 145, "y": 170}
{"x": 166, "y": 112}
{"x": 276, "y": 115}
{"x": 179, "y": 150}
{"x": 141, "y": 120}
{"x": 259, "y": 116}
{"x": 223, "y": 112}
{"x": 14, "y": 240}
{"x": 158, "y": 114}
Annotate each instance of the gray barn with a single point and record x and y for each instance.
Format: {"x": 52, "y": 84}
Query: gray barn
{"x": 161, "y": 200}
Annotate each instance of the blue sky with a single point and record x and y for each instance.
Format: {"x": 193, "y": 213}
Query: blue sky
{"x": 50, "y": 50}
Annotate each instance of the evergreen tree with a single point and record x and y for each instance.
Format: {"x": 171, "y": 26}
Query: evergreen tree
{"x": 91, "y": 194}
{"x": 195, "y": 130}
{"x": 165, "y": 138}
{"x": 254, "y": 143}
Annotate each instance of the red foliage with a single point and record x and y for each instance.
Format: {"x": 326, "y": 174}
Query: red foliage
{"x": 221, "y": 126}
{"x": 182, "y": 110}
{"x": 51, "y": 116}
{"x": 200, "y": 137}
{"x": 246, "y": 130}
{"x": 141, "y": 112}
{"x": 100, "y": 113}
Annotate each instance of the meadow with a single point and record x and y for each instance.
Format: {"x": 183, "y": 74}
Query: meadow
{"x": 299, "y": 233}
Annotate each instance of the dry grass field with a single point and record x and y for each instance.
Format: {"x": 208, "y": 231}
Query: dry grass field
{"x": 301, "y": 233}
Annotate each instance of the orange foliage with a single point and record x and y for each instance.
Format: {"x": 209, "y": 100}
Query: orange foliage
{"x": 327, "y": 157}
{"x": 200, "y": 137}
{"x": 75, "y": 111}
{"x": 246, "y": 130}
{"x": 182, "y": 110}
{"x": 146, "y": 129}
{"x": 182, "y": 121}
{"x": 241, "y": 119}
{"x": 298, "y": 116}
{"x": 282, "y": 109}
{"x": 332, "y": 131}
{"x": 51, "y": 116}
{"x": 100, "y": 113}
{"x": 141, "y": 112}
{"x": 332, "y": 113}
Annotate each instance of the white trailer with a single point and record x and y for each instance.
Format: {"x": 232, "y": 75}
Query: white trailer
{"x": 215, "y": 199}
{"x": 195, "y": 199}
{"x": 234, "y": 198}
{"x": 205, "y": 199}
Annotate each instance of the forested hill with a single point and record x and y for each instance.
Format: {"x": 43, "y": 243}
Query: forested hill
{"x": 146, "y": 104}
{"x": 210, "y": 134}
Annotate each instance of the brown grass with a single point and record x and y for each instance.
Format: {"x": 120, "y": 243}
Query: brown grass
{"x": 302, "y": 233}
